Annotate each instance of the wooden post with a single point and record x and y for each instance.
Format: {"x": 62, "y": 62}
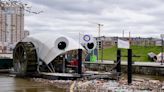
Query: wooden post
{"x": 79, "y": 61}
{"x": 118, "y": 67}
{"x": 102, "y": 51}
{"x": 129, "y": 70}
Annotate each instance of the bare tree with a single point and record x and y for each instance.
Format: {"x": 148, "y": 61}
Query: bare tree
{"x": 23, "y": 5}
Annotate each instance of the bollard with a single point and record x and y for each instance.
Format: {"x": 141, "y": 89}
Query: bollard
{"x": 79, "y": 61}
{"x": 129, "y": 70}
{"x": 118, "y": 67}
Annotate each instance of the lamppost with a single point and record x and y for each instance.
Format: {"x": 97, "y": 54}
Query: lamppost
{"x": 99, "y": 25}
{"x": 102, "y": 48}
{"x": 162, "y": 36}
{"x": 99, "y": 39}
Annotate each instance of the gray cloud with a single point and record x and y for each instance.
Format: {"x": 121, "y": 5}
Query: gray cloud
{"x": 142, "y": 18}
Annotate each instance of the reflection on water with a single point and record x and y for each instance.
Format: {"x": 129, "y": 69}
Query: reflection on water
{"x": 11, "y": 84}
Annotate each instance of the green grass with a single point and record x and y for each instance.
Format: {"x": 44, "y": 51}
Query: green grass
{"x": 110, "y": 53}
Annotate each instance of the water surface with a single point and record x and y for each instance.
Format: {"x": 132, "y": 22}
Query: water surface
{"x": 12, "y": 84}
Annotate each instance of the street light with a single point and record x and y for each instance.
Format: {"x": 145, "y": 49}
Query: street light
{"x": 102, "y": 48}
{"x": 99, "y": 30}
{"x": 162, "y": 36}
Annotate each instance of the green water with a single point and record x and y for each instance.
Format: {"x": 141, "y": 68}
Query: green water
{"x": 12, "y": 84}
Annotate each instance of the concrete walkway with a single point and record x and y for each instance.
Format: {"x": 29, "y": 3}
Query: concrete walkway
{"x": 147, "y": 64}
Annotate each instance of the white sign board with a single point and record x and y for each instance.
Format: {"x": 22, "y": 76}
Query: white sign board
{"x": 162, "y": 35}
{"x": 123, "y": 44}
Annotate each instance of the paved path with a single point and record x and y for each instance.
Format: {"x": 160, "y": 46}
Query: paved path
{"x": 148, "y": 64}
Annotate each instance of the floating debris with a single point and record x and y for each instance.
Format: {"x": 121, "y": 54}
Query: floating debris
{"x": 101, "y": 85}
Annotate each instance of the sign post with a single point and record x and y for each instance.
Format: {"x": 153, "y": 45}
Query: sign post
{"x": 162, "y": 36}
{"x": 129, "y": 70}
{"x": 125, "y": 45}
{"x": 79, "y": 61}
{"x": 118, "y": 67}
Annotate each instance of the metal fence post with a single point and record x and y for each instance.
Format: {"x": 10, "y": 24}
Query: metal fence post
{"x": 79, "y": 61}
{"x": 129, "y": 70}
{"x": 118, "y": 67}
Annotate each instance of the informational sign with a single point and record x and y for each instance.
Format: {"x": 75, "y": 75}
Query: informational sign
{"x": 162, "y": 35}
{"x": 123, "y": 44}
{"x": 158, "y": 43}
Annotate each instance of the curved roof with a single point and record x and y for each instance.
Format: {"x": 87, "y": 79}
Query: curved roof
{"x": 46, "y": 45}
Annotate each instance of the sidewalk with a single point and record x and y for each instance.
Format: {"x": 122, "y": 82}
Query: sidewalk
{"x": 148, "y": 64}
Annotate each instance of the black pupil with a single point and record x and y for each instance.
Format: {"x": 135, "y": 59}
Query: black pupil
{"x": 90, "y": 45}
{"x": 62, "y": 45}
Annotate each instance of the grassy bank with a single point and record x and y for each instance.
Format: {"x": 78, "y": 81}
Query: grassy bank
{"x": 110, "y": 53}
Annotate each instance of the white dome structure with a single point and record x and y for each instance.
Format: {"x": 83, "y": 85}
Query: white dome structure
{"x": 49, "y": 46}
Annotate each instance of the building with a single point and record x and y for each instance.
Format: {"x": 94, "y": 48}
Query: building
{"x": 138, "y": 41}
{"x": 11, "y": 25}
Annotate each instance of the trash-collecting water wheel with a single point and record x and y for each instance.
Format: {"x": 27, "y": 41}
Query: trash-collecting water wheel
{"x": 25, "y": 59}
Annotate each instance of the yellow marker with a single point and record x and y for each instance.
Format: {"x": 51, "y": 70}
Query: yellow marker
{"x": 72, "y": 86}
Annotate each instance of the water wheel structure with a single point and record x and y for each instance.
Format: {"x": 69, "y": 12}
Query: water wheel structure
{"x": 38, "y": 55}
{"x": 25, "y": 59}
{"x": 50, "y": 56}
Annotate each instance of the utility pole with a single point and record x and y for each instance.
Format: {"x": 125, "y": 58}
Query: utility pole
{"x": 162, "y": 36}
{"x": 99, "y": 27}
{"x": 129, "y": 69}
{"x": 98, "y": 40}
{"x": 129, "y": 38}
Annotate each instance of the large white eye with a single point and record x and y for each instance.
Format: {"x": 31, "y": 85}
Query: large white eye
{"x": 61, "y": 43}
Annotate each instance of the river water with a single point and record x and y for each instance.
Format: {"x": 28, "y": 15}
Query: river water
{"x": 12, "y": 84}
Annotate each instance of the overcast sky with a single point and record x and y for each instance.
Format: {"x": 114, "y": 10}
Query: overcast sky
{"x": 144, "y": 18}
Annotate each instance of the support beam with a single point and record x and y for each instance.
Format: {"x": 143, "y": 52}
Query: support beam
{"x": 102, "y": 51}
{"x": 79, "y": 61}
{"x": 118, "y": 67}
{"x": 162, "y": 52}
{"x": 129, "y": 70}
